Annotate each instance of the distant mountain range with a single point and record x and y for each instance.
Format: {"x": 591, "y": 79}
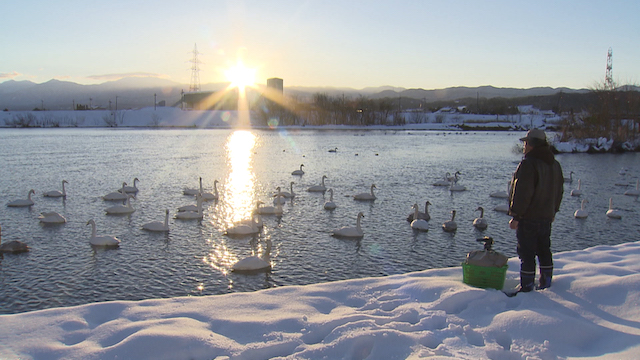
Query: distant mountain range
{"x": 141, "y": 92}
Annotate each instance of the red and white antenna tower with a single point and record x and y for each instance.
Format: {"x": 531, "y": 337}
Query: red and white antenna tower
{"x": 194, "y": 85}
{"x": 608, "y": 78}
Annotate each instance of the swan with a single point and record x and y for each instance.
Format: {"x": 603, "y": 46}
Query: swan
{"x": 621, "y": 182}
{"x": 421, "y": 215}
{"x": 501, "y": 194}
{"x": 298, "y": 172}
{"x": 351, "y": 232}
{"x": 330, "y": 205}
{"x": 13, "y": 246}
{"x": 279, "y": 198}
{"x": 158, "y": 226}
{"x": 570, "y": 179}
{"x": 623, "y": 171}
{"x": 255, "y": 263}
{"x": 443, "y": 182}
{"x": 612, "y": 213}
{"x": 581, "y": 213}
{"x": 366, "y": 196}
{"x": 502, "y": 208}
{"x": 104, "y": 241}
{"x": 187, "y": 191}
{"x": 285, "y": 194}
{"x": 121, "y": 209}
{"x": 480, "y": 222}
{"x": 450, "y": 225}
{"x": 269, "y": 210}
{"x": 247, "y": 227}
{"x": 455, "y": 187}
{"x": 319, "y": 188}
{"x": 578, "y": 191}
{"x": 51, "y": 217}
{"x": 418, "y": 224}
{"x": 634, "y": 192}
{"x": 333, "y": 150}
{"x": 453, "y": 177}
{"x": 56, "y": 193}
{"x": 206, "y": 196}
{"x": 192, "y": 215}
{"x": 23, "y": 202}
{"x": 131, "y": 189}
{"x": 117, "y": 195}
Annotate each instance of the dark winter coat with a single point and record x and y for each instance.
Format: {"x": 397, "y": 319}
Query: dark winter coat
{"x": 537, "y": 186}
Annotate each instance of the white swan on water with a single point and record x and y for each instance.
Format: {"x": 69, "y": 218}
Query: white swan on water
{"x": 613, "y": 213}
{"x": 245, "y": 228}
{"x": 450, "y": 225}
{"x": 131, "y": 189}
{"x": 255, "y": 263}
{"x": 319, "y": 188}
{"x": 299, "y": 171}
{"x": 51, "y": 217}
{"x": 121, "y": 209}
{"x": 502, "y": 208}
{"x": 366, "y": 196}
{"x": 23, "y": 202}
{"x": 270, "y": 210}
{"x": 117, "y": 195}
{"x": 418, "y": 223}
{"x": 350, "y": 232}
{"x": 13, "y": 246}
{"x": 158, "y": 226}
{"x": 634, "y": 192}
{"x": 578, "y": 191}
{"x": 279, "y": 197}
{"x": 444, "y": 181}
{"x": 285, "y": 194}
{"x": 330, "y": 205}
{"x": 480, "y": 223}
{"x": 192, "y": 215}
{"x": 56, "y": 193}
{"x": 102, "y": 241}
{"x": 188, "y": 191}
{"x": 501, "y": 194}
{"x": 581, "y": 213}
{"x": 206, "y": 196}
{"x": 455, "y": 187}
{"x": 421, "y": 215}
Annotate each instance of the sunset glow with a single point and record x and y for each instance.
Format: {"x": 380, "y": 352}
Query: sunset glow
{"x": 240, "y": 76}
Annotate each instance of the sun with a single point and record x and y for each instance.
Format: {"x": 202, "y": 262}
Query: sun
{"x": 240, "y": 76}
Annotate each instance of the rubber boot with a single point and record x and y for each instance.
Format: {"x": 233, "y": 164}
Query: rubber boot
{"x": 545, "y": 278}
{"x": 527, "y": 281}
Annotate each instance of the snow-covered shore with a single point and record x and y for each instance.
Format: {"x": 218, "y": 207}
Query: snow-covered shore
{"x": 591, "y": 311}
{"x": 169, "y": 117}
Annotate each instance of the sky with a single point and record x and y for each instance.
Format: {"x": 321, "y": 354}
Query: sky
{"x": 590, "y": 311}
{"x": 325, "y": 43}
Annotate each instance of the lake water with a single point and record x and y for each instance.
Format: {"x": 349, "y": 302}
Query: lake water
{"x": 195, "y": 258}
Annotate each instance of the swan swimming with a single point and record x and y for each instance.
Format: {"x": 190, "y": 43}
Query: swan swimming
{"x": 480, "y": 223}
{"x": 319, "y": 188}
{"x": 443, "y": 182}
{"x": 117, "y": 195}
{"x": 279, "y": 198}
{"x": 333, "y": 150}
{"x": 299, "y": 171}
{"x": 13, "y": 246}
{"x": 613, "y": 213}
{"x": 578, "y": 191}
{"x": 102, "y": 241}
{"x": 158, "y": 226}
{"x": 285, "y": 194}
{"x": 131, "y": 189}
{"x": 502, "y": 208}
{"x": 350, "y": 232}
{"x": 450, "y": 225}
{"x": 51, "y": 217}
{"x": 56, "y": 193}
{"x": 418, "y": 224}
{"x": 192, "y": 215}
{"x": 501, "y": 194}
{"x": 366, "y": 196}
{"x": 255, "y": 263}
{"x": 209, "y": 196}
{"x": 421, "y": 215}
{"x": 23, "y": 202}
{"x": 570, "y": 178}
{"x": 245, "y": 228}
{"x": 581, "y": 213}
{"x": 121, "y": 209}
{"x": 330, "y": 205}
{"x": 269, "y": 210}
{"x": 187, "y": 191}
{"x": 634, "y": 192}
{"x": 455, "y": 187}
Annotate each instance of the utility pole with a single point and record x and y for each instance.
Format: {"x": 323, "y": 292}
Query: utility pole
{"x": 154, "y": 102}
{"x": 116, "y": 103}
{"x": 194, "y": 86}
{"x": 608, "y": 78}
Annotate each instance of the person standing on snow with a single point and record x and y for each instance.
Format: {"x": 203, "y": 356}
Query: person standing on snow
{"x": 536, "y": 191}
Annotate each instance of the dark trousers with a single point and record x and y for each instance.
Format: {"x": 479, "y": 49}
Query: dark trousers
{"x": 534, "y": 240}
